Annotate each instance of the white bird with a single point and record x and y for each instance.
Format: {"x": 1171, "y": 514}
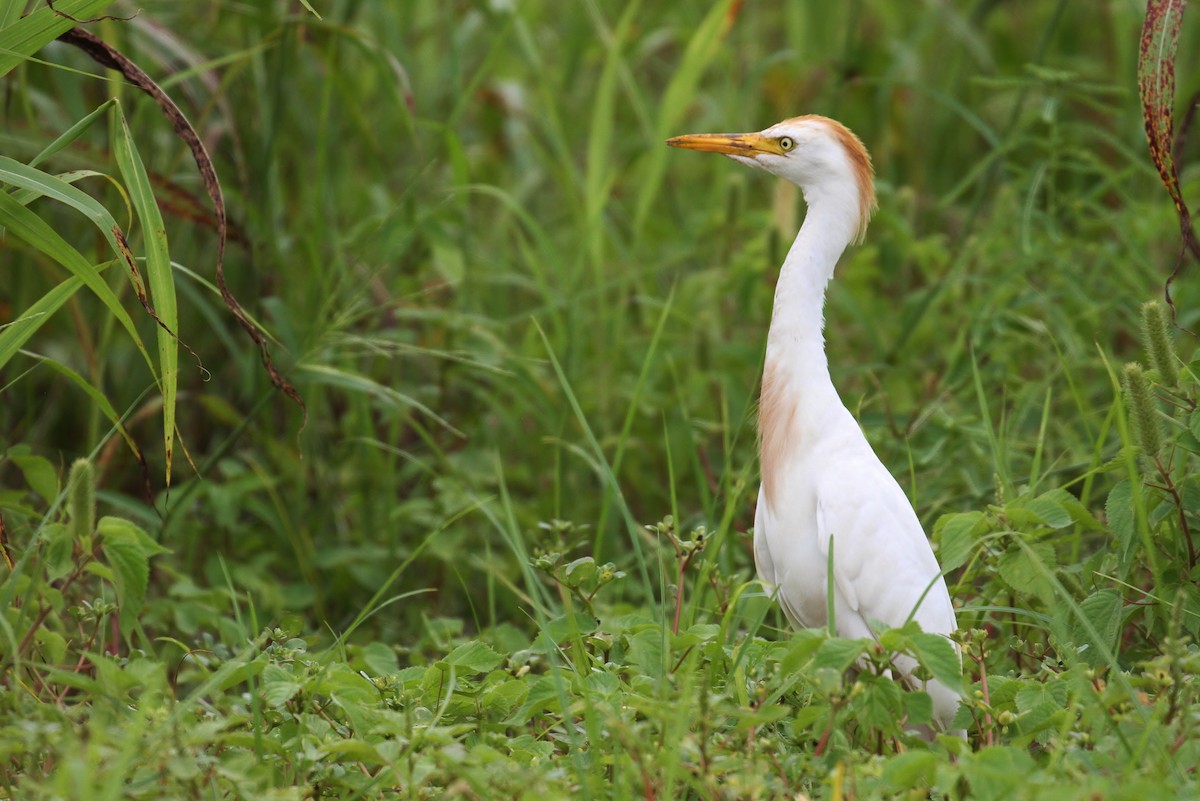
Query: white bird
{"x": 821, "y": 481}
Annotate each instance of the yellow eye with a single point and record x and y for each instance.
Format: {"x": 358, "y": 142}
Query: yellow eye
{"x": 786, "y": 143}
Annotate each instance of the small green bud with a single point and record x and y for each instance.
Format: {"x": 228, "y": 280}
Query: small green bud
{"x": 81, "y": 499}
{"x": 1156, "y": 339}
{"x": 1147, "y": 433}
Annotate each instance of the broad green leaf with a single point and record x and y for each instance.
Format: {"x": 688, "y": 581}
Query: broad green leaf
{"x": 59, "y": 549}
{"x": 957, "y": 535}
{"x": 646, "y": 651}
{"x": 39, "y": 473}
{"x": 998, "y": 773}
{"x": 1034, "y": 694}
{"x": 1019, "y": 568}
{"x": 1103, "y": 611}
{"x": 543, "y": 694}
{"x": 158, "y": 273}
{"x": 1119, "y": 511}
{"x": 503, "y": 697}
{"x": 381, "y": 659}
{"x": 918, "y": 705}
{"x": 580, "y": 571}
{"x": 883, "y": 705}
{"x": 43, "y": 25}
{"x": 1052, "y": 513}
{"x": 474, "y": 657}
{"x": 838, "y": 653}
{"x": 53, "y": 645}
{"x": 278, "y": 685}
{"x": 1040, "y": 718}
{"x": 128, "y": 550}
{"x": 939, "y": 655}
{"x": 561, "y": 629}
{"x": 803, "y": 645}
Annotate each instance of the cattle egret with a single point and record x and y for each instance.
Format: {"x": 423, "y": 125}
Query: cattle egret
{"x": 823, "y": 486}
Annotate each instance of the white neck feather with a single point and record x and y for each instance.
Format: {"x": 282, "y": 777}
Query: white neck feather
{"x": 798, "y": 395}
{"x": 795, "y": 342}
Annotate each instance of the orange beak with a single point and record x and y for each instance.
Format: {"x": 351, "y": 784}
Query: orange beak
{"x": 750, "y": 145}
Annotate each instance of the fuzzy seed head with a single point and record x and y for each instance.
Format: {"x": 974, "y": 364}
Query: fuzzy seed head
{"x": 81, "y": 499}
{"x": 1147, "y": 433}
{"x": 1157, "y": 340}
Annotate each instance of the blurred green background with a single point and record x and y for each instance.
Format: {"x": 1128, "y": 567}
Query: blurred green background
{"x": 434, "y": 202}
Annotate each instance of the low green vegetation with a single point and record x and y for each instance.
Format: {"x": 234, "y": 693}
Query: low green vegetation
{"x": 503, "y": 550}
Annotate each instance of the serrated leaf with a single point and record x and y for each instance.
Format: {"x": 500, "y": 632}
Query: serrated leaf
{"x": 1118, "y": 509}
{"x": 131, "y": 576}
{"x": 883, "y": 704}
{"x": 278, "y": 693}
{"x": 838, "y": 654}
{"x": 939, "y": 655}
{"x": 1041, "y": 717}
{"x": 1019, "y": 567}
{"x": 569, "y": 626}
{"x": 127, "y": 549}
{"x": 1035, "y": 694}
{"x": 998, "y": 772}
{"x": 504, "y": 697}
{"x": 1103, "y": 610}
{"x": 544, "y": 694}
{"x": 957, "y": 536}
{"x": 474, "y": 657}
{"x": 803, "y": 645}
{"x": 1052, "y": 513}
{"x": 701, "y": 632}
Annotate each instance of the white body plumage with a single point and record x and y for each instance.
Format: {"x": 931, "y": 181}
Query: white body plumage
{"x": 821, "y": 480}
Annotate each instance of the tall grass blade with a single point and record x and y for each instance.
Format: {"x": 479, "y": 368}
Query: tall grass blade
{"x": 159, "y": 276}
{"x": 26, "y": 225}
{"x": 25, "y": 36}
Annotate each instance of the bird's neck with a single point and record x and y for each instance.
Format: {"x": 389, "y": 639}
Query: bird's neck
{"x": 798, "y": 398}
{"x": 796, "y": 343}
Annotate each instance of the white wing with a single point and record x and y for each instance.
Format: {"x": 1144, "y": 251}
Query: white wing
{"x": 884, "y": 570}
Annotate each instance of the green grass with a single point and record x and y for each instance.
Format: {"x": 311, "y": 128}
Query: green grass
{"x": 529, "y": 338}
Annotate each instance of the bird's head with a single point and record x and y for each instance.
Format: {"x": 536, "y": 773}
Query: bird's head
{"x": 822, "y": 156}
